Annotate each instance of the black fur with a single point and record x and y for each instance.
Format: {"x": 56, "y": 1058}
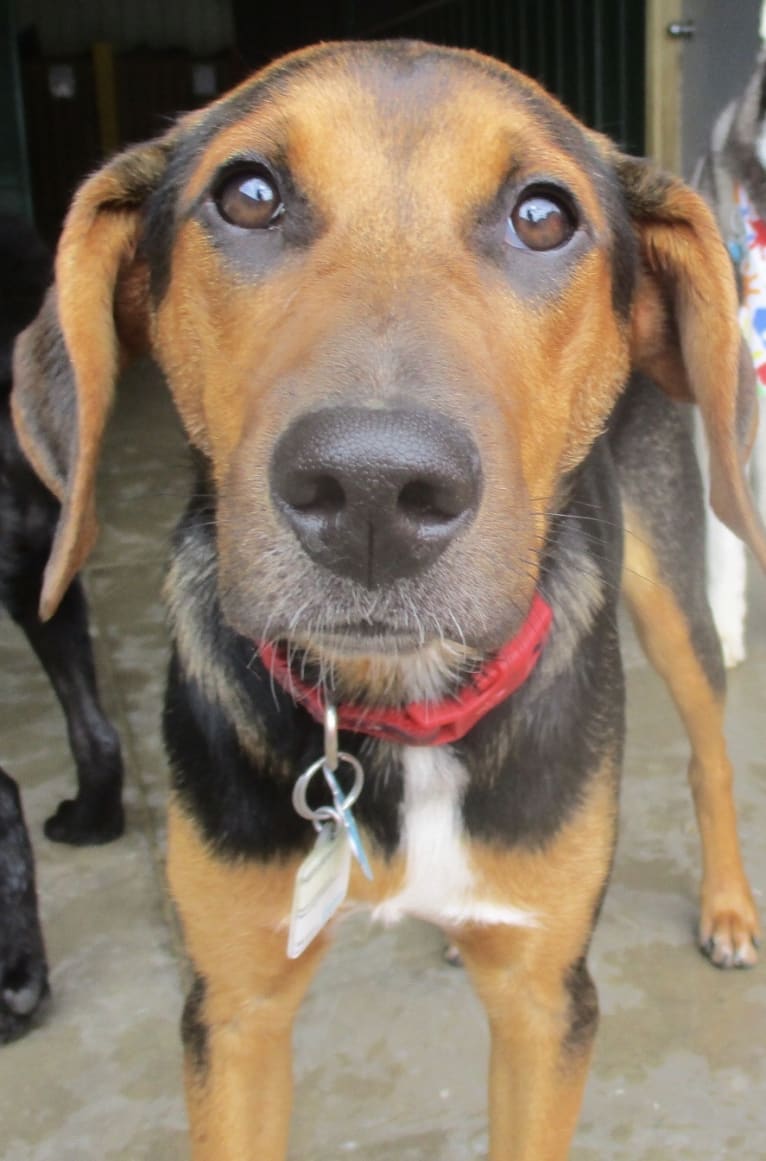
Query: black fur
{"x": 23, "y": 967}
{"x": 244, "y": 808}
{"x": 649, "y": 428}
{"x": 193, "y": 1028}
{"x": 583, "y": 1011}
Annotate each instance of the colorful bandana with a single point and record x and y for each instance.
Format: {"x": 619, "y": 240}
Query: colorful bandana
{"x": 751, "y": 260}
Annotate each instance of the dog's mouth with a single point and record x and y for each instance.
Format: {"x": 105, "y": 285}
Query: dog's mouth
{"x": 439, "y": 686}
{"x": 364, "y": 638}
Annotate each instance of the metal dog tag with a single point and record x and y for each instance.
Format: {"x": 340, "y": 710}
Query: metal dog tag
{"x": 346, "y": 817}
{"x": 340, "y": 812}
{"x": 320, "y": 887}
{"x": 322, "y": 880}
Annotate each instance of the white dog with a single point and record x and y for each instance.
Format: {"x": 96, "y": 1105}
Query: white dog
{"x": 732, "y": 176}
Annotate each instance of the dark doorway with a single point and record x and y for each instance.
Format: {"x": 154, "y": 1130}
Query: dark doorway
{"x": 590, "y": 53}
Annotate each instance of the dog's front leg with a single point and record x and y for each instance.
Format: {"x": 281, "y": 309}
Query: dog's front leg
{"x": 542, "y": 1016}
{"x": 237, "y": 1024}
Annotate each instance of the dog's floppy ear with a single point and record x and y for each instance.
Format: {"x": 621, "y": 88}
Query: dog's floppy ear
{"x": 66, "y": 362}
{"x": 685, "y": 331}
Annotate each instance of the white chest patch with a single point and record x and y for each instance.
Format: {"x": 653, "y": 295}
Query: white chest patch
{"x": 440, "y": 885}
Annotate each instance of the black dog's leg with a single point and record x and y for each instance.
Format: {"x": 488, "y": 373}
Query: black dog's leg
{"x": 23, "y": 968}
{"x": 63, "y": 646}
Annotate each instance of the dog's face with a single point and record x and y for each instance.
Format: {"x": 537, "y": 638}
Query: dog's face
{"x": 392, "y": 294}
{"x": 396, "y": 291}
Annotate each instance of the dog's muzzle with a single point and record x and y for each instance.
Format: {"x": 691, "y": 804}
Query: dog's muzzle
{"x": 375, "y": 495}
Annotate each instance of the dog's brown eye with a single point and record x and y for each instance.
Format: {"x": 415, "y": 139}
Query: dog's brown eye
{"x": 250, "y": 200}
{"x": 539, "y": 222}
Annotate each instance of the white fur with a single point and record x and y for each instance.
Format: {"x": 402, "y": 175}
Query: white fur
{"x": 760, "y": 145}
{"x": 440, "y": 884}
{"x": 726, "y": 588}
{"x": 727, "y": 557}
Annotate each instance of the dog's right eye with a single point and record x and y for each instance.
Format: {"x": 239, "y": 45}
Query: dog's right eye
{"x": 541, "y": 220}
{"x": 249, "y": 199}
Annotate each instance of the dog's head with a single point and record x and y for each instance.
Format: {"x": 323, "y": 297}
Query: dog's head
{"x": 396, "y": 291}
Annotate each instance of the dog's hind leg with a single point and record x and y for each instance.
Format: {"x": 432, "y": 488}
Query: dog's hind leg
{"x": 63, "y": 647}
{"x": 664, "y": 584}
{"x": 237, "y": 1024}
{"x": 728, "y": 922}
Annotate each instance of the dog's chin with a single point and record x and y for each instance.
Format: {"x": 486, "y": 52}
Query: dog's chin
{"x": 374, "y": 666}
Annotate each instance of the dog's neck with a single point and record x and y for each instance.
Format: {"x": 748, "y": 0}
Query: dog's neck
{"x": 429, "y": 723}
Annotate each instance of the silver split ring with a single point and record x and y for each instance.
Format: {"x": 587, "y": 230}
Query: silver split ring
{"x": 326, "y": 813}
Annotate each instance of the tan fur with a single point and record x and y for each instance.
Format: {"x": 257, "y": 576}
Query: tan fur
{"x": 689, "y": 349}
{"x": 239, "y": 1104}
{"x": 253, "y": 990}
{"x": 728, "y": 914}
{"x": 536, "y": 1079}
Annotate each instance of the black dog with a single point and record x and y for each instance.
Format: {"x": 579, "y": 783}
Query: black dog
{"x": 23, "y": 969}
{"x": 28, "y": 516}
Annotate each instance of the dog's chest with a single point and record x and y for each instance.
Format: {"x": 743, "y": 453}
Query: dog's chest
{"x": 440, "y": 883}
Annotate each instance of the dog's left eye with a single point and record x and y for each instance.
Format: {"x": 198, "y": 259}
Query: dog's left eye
{"x": 540, "y": 221}
{"x": 249, "y": 199}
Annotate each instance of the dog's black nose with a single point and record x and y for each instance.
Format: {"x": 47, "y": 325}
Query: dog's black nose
{"x": 375, "y": 494}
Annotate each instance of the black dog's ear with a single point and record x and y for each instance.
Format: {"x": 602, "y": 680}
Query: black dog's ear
{"x": 685, "y": 331}
{"x": 67, "y": 361}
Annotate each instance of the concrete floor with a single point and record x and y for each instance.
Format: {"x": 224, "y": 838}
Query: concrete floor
{"x": 391, "y": 1045}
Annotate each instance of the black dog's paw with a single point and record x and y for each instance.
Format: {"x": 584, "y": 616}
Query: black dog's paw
{"x": 23, "y": 988}
{"x": 23, "y": 966}
{"x": 87, "y": 820}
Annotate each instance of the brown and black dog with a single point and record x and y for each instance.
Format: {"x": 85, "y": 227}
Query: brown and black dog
{"x": 411, "y": 314}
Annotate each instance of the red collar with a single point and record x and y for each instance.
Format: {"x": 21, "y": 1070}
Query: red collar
{"x": 431, "y": 723}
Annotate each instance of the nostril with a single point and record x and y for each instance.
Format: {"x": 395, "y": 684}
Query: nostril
{"x": 315, "y": 495}
{"x": 423, "y": 501}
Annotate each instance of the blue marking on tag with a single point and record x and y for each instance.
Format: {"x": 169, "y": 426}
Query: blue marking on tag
{"x": 349, "y": 823}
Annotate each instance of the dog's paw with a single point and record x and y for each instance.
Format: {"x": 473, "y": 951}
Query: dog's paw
{"x": 729, "y": 614}
{"x": 23, "y": 988}
{"x": 85, "y": 821}
{"x": 733, "y": 647}
{"x": 729, "y": 934}
{"x": 23, "y": 967}
{"x": 729, "y": 620}
{"x": 452, "y": 956}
